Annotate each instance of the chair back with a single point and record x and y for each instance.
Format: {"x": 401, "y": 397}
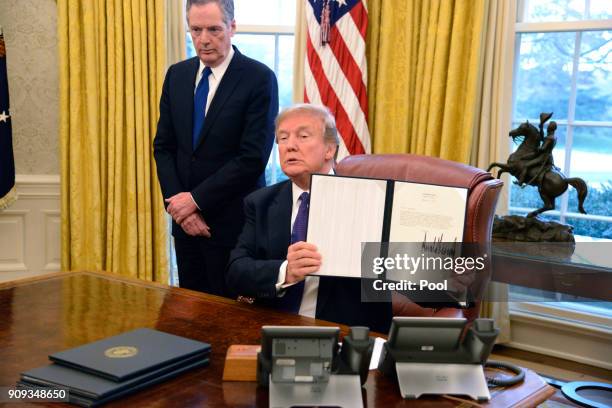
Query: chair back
{"x": 483, "y": 193}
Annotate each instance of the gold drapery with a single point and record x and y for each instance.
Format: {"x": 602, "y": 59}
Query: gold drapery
{"x": 112, "y": 62}
{"x": 491, "y": 138}
{"x": 423, "y": 64}
{"x": 175, "y": 31}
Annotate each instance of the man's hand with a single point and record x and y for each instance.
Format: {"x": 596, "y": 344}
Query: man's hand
{"x": 180, "y": 206}
{"x": 302, "y": 259}
{"x": 195, "y": 225}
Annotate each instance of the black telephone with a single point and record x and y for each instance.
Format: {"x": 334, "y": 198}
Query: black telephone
{"x": 311, "y": 354}
{"x": 445, "y": 341}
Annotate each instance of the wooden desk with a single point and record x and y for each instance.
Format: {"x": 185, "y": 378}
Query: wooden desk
{"x": 44, "y": 315}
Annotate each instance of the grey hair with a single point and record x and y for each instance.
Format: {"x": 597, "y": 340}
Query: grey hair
{"x": 226, "y": 6}
{"x": 330, "y": 134}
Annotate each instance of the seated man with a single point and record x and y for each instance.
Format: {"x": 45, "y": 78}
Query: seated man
{"x": 271, "y": 260}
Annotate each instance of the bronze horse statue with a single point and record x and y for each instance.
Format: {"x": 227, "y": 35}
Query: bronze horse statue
{"x": 549, "y": 180}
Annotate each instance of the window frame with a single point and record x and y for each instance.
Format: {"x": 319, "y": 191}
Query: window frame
{"x": 277, "y": 31}
{"x": 578, "y": 27}
{"x": 545, "y": 327}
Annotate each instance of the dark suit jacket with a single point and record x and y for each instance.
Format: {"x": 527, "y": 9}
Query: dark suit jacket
{"x": 234, "y": 147}
{"x": 262, "y": 248}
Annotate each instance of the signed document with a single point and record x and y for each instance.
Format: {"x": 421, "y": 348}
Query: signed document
{"x": 346, "y": 212}
{"x": 427, "y": 213}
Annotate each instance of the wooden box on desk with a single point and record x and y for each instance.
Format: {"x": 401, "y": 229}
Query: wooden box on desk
{"x": 241, "y": 363}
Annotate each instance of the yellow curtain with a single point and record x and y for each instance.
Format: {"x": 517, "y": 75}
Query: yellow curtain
{"x": 490, "y": 141}
{"x": 175, "y": 31}
{"x": 112, "y": 62}
{"x": 423, "y": 65}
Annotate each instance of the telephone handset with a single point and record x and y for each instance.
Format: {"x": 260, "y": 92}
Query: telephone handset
{"x": 442, "y": 356}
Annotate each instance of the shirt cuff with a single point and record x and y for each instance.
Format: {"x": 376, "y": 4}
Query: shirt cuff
{"x": 194, "y": 201}
{"x": 280, "y": 282}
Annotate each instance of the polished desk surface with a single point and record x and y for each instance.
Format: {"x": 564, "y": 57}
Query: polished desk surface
{"x": 43, "y": 315}
{"x": 581, "y": 269}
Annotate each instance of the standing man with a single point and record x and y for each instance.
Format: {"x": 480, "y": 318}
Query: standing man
{"x": 214, "y": 136}
{"x": 272, "y": 261}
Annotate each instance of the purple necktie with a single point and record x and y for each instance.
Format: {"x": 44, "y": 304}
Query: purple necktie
{"x": 300, "y": 225}
{"x": 292, "y": 299}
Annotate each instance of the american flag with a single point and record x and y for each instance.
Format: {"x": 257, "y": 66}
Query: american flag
{"x": 335, "y": 71}
{"x": 7, "y": 164}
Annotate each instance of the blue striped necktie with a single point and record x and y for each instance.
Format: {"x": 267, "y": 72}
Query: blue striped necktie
{"x": 292, "y": 299}
{"x": 199, "y": 106}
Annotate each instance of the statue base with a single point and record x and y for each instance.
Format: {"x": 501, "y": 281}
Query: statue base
{"x": 523, "y": 229}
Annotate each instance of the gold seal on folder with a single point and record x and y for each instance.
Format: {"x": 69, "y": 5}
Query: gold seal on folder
{"x": 121, "y": 352}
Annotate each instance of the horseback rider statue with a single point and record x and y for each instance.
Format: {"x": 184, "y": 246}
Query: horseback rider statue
{"x": 532, "y": 164}
{"x": 542, "y": 158}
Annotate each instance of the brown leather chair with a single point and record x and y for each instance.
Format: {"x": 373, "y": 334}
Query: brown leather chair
{"x": 483, "y": 192}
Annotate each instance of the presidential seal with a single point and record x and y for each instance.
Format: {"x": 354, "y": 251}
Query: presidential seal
{"x": 121, "y": 352}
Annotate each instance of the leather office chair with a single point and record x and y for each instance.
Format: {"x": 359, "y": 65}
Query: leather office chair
{"x": 483, "y": 192}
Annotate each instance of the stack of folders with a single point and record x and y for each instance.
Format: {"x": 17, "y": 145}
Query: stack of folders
{"x": 108, "y": 369}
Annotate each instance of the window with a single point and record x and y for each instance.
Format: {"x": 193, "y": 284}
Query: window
{"x": 563, "y": 64}
{"x": 264, "y": 31}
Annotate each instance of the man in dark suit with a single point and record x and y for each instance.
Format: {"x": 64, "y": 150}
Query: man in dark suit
{"x": 214, "y": 136}
{"x": 271, "y": 261}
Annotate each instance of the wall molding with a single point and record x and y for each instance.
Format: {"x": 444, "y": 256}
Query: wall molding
{"x": 30, "y": 228}
{"x": 562, "y": 339}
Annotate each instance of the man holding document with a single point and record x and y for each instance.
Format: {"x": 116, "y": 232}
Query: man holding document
{"x": 272, "y": 261}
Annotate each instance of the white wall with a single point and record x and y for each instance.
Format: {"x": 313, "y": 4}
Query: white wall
{"x": 30, "y": 229}
{"x": 30, "y": 33}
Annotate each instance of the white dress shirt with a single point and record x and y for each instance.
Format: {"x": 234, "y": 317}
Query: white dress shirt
{"x": 308, "y": 307}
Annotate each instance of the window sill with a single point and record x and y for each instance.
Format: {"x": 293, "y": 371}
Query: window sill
{"x": 561, "y": 333}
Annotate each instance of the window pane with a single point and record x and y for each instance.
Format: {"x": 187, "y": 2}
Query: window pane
{"x": 591, "y": 228}
{"x": 594, "y": 86}
{"x": 592, "y": 161}
{"x": 285, "y": 69}
{"x": 256, "y": 46}
{"x": 274, "y": 174}
{"x": 600, "y": 9}
{"x": 553, "y": 10}
{"x": 543, "y": 76}
{"x": 264, "y": 12}
{"x": 189, "y": 45}
{"x": 592, "y": 153}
